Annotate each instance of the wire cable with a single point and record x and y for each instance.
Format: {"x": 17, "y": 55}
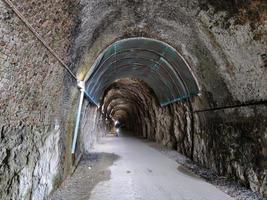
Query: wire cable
{"x": 38, "y": 36}
{"x": 232, "y": 106}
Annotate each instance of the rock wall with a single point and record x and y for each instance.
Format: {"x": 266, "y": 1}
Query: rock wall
{"x": 233, "y": 144}
{"x": 34, "y": 106}
{"x": 91, "y": 129}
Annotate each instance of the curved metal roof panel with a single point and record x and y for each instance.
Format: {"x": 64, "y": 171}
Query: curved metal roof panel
{"x": 156, "y": 63}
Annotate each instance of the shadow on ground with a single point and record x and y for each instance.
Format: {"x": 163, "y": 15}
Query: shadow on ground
{"x": 92, "y": 169}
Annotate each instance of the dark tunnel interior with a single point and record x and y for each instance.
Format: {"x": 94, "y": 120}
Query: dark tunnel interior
{"x": 129, "y": 101}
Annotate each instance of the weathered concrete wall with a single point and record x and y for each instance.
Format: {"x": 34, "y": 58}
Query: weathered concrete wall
{"x": 226, "y": 49}
{"x": 34, "y": 109}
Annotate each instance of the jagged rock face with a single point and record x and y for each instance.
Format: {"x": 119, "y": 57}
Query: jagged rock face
{"x": 91, "y": 129}
{"x": 34, "y": 109}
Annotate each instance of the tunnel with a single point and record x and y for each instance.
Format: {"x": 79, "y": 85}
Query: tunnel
{"x": 133, "y": 99}
{"x": 131, "y": 74}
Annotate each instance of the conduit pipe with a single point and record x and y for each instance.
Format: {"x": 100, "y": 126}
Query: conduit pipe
{"x": 81, "y": 86}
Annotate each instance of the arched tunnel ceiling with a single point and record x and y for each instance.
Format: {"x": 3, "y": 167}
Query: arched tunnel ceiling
{"x": 156, "y": 63}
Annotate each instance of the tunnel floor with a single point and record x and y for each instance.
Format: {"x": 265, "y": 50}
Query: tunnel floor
{"x": 127, "y": 168}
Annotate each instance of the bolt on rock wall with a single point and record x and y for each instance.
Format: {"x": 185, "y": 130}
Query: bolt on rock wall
{"x": 34, "y": 110}
{"x": 226, "y": 50}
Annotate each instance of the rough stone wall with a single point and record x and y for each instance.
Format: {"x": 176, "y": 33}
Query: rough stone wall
{"x": 226, "y": 50}
{"x": 91, "y": 129}
{"x": 234, "y": 145}
{"x": 34, "y": 115}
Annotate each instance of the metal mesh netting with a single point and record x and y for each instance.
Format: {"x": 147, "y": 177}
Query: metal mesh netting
{"x": 156, "y": 63}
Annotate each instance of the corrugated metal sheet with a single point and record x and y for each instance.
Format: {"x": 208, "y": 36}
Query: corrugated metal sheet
{"x": 159, "y": 65}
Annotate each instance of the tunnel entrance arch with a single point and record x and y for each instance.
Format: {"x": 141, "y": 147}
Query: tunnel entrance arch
{"x": 152, "y": 61}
